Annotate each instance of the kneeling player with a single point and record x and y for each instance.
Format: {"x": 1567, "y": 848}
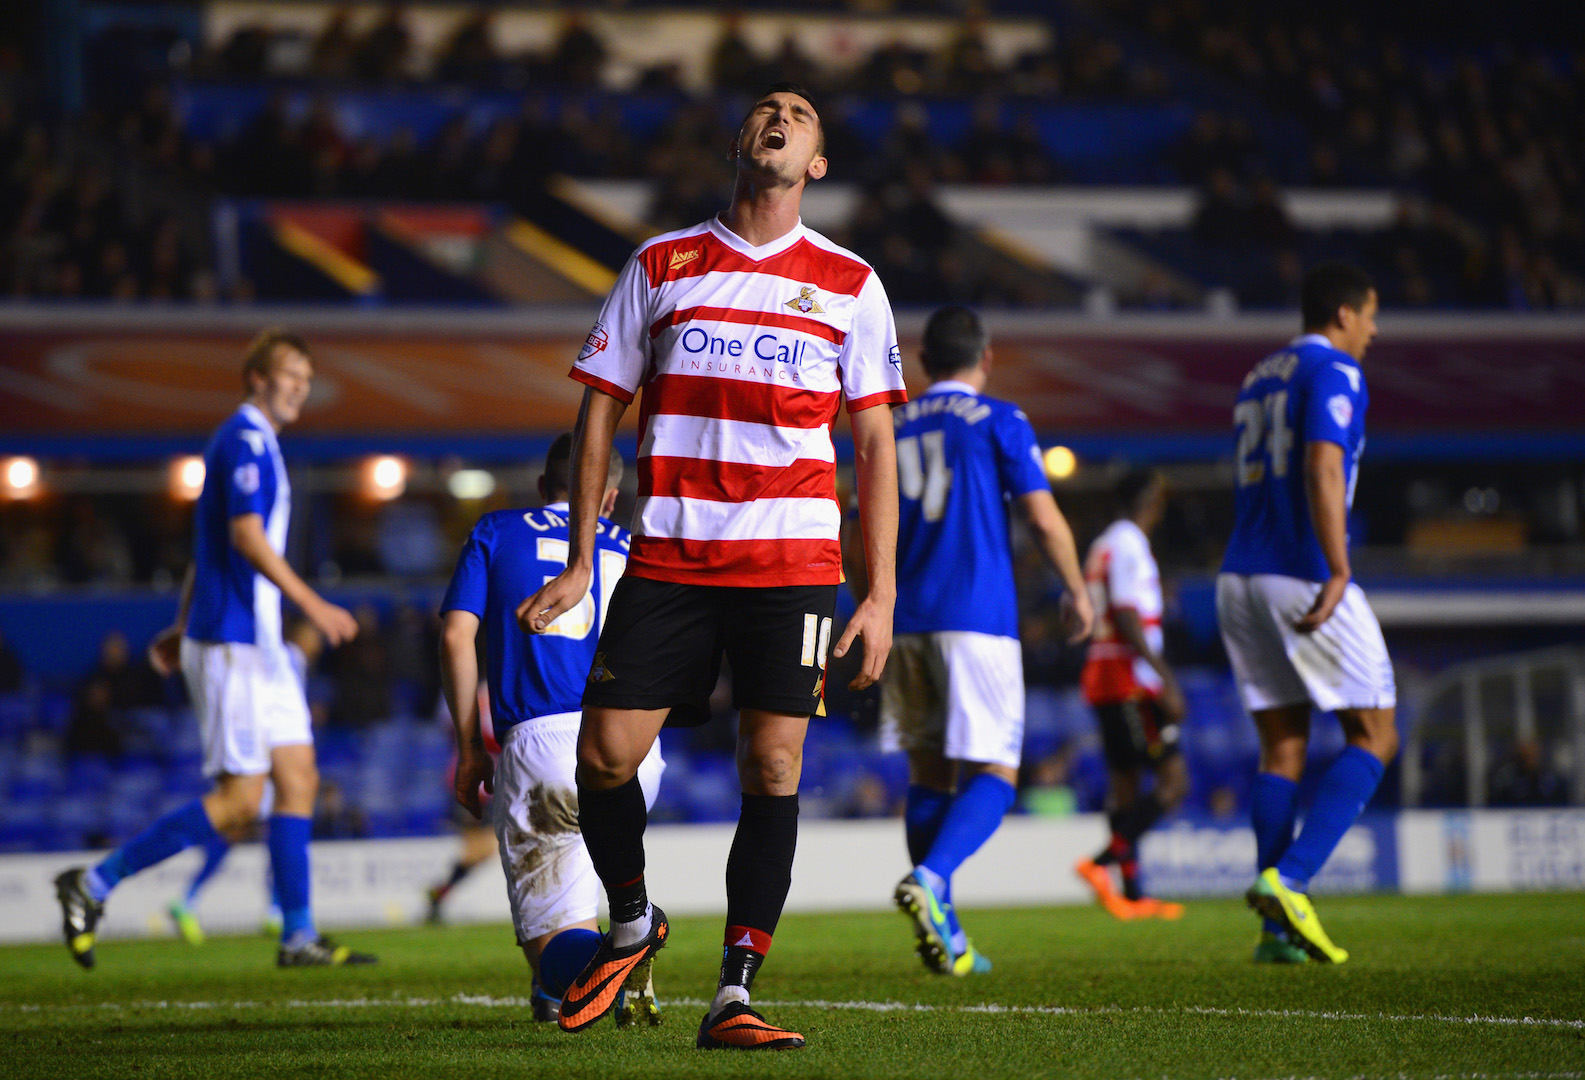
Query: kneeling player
{"x": 1134, "y": 694}
{"x": 536, "y": 683}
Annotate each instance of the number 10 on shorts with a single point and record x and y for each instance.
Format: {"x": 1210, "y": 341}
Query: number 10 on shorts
{"x": 816, "y": 628}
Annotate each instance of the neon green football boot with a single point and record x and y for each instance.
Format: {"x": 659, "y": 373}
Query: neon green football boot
{"x": 1272, "y": 949}
{"x": 186, "y": 923}
{"x": 1269, "y": 896}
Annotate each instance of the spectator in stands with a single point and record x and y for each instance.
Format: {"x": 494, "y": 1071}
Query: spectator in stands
{"x": 335, "y": 818}
{"x": 362, "y": 676}
{"x": 131, "y": 682}
{"x": 1522, "y": 778}
{"x": 469, "y": 55}
{"x": 579, "y": 56}
{"x": 335, "y": 52}
{"x": 12, "y": 674}
{"x": 1222, "y": 221}
{"x": 385, "y": 51}
{"x": 93, "y": 730}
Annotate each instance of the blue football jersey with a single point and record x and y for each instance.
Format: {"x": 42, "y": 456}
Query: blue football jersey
{"x": 1308, "y": 392}
{"x": 243, "y": 474}
{"x": 508, "y": 557}
{"x": 960, "y": 457}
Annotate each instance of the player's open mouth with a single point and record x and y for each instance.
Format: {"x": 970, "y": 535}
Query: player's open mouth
{"x": 774, "y": 140}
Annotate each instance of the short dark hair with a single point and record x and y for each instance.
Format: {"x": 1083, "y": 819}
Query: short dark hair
{"x": 558, "y": 467}
{"x": 260, "y": 357}
{"x": 794, "y": 88}
{"x": 1329, "y": 286}
{"x": 955, "y": 339}
{"x": 1131, "y": 487}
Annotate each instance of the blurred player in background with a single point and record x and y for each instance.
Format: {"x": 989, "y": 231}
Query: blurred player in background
{"x": 227, "y": 642}
{"x": 1298, "y": 631}
{"x": 536, "y": 683}
{"x": 476, "y": 833}
{"x": 746, "y": 333}
{"x": 1136, "y": 698}
{"x": 953, "y": 695}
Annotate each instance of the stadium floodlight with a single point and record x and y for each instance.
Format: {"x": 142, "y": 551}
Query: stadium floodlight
{"x": 1061, "y": 463}
{"x": 19, "y": 477}
{"x": 471, "y": 484}
{"x": 187, "y": 478}
{"x": 385, "y": 477}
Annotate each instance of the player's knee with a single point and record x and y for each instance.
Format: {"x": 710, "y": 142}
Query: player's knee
{"x": 1172, "y": 785}
{"x": 1384, "y": 743}
{"x": 297, "y": 788}
{"x": 602, "y": 771}
{"x": 769, "y": 770}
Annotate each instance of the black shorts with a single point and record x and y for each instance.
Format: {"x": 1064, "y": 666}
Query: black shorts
{"x": 1135, "y": 735}
{"x": 662, "y": 644}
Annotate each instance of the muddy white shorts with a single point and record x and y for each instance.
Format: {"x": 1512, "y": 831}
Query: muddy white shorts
{"x": 550, "y": 881}
{"x": 957, "y": 693}
{"x": 1342, "y": 665}
{"x": 248, "y": 701}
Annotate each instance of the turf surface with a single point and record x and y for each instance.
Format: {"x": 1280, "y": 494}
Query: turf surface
{"x": 1073, "y": 993}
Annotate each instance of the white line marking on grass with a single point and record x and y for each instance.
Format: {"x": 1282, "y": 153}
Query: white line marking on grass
{"x": 988, "y": 1008}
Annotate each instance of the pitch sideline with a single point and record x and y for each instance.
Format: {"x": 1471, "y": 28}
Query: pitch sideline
{"x": 988, "y": 1008}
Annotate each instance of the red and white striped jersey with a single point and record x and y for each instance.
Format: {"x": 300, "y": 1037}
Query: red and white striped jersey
{"x": 1121, "y": 573}
{"x": 744, "y": 355}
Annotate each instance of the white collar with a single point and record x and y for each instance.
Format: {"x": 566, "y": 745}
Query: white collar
{"x": 951, "y": 386}
{"x": 764, "y": 251}
{"x": 257, "y": 418}
{"x": 563, "y": 506}
{"x": 1313, "y": 339}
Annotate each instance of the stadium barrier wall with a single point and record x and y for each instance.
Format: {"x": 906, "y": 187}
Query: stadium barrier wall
{"x": 842, "y": 866}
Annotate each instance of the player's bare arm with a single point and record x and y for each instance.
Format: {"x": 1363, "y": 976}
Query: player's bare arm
{"x": 1326, "y": 490}
{"x": 165, "y": 651}
{"x": 875, "y": 469}
{"x": 598, "y": 417}
{"x": 1131, "y": 629}
{"x": 1051, "y": 532}
{"x": 459, "y": 680}
{"x": 247, "y": 536}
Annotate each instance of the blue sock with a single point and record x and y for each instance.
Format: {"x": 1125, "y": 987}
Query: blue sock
{"x": 184, "y": 827}
{"x": 975, "y": 814}
{"x": 215, "y": 853}
{"x": 926, "y": 809}
{"x": 1274, "y": 804}
{"x": 1341, "y": 798}
{"x": 289, "y": 866}
{"x": 563, "y": 957}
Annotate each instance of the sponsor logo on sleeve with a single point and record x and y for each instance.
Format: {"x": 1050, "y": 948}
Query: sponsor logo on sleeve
{"x": 894, "y": 357}
{"x": 598, "y": 339}
{"x": 805, "y": 301}
{"x": 1341, "y": 408}
{"x": 246, "y": 478}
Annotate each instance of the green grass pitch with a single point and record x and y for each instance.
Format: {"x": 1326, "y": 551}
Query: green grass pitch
{"x": 1476, "y": 986}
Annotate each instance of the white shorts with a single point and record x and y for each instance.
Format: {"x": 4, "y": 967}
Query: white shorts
{"x": 550, "y": 881}
{"x": 1343, "y": 665}
{"x": 957, "y": 693}
{"x": 248, "y": 702}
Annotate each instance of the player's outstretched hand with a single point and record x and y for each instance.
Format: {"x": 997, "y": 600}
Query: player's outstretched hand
{"x": 1326, "y": 602}
{"x": 561, "y": 593}
{"x": 873, "y": 622}
{"x": 1078, "y": 616}
{"x": 334, "y": 621}
{"x": 474, "y": 768}
{"x": 1172, "y": 702}
{"x": 165, "y": 651}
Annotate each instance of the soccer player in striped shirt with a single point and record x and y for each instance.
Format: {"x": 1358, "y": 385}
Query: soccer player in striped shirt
{"x": 1298, "y": 631}
{"x": 746, "y": 334}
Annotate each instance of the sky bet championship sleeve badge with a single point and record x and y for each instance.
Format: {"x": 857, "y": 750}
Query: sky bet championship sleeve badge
{"x": 805, "y": 302}
{"x": 597, "y": 341}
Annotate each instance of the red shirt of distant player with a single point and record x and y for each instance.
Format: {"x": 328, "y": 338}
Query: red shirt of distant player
{"x": 744, "y": 354}
{"x": 1121, "y": 573}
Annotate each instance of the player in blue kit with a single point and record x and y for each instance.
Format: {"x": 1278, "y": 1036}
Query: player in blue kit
{"x": 227, "y": 641}
{"x": 953, "y": 693}
{"x": 536, "y": 687}
{"x": 1298, "y": 631}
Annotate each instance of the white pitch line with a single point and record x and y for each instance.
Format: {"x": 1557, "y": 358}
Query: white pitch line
{"x": 989, "y": 1008}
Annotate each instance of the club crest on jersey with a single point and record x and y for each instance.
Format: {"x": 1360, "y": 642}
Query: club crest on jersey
{"x": 599, "y": 672}
{"x": 1341, "y": 408}
{"x": 805, "y": 301}
{"x": 682, "y": 258}
{"x": 596, "y": 343}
